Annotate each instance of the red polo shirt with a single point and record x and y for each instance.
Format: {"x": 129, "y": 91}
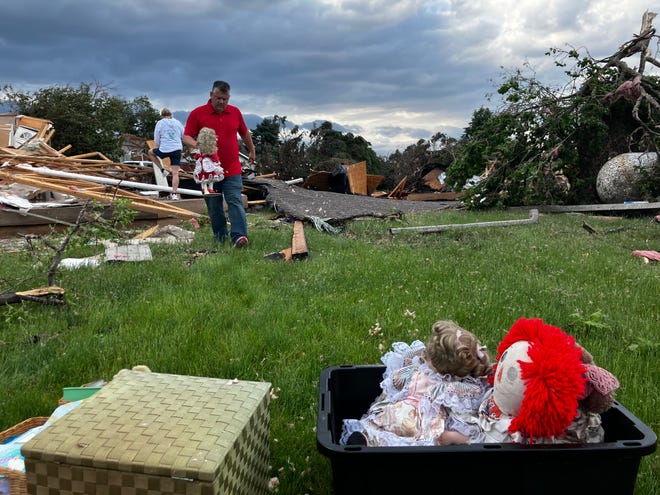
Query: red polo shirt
{"x": 227, "y": 125}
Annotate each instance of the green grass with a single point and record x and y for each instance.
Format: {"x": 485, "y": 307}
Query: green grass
{"x": 232, "y": 313}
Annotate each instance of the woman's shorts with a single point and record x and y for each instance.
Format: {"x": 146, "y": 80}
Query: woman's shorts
{"x": 174, "y": 156}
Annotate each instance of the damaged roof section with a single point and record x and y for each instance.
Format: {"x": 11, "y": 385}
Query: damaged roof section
{"x": 303, "y": 203}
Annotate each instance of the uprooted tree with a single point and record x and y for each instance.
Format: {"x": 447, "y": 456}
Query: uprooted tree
{"x": 547, "y": 146}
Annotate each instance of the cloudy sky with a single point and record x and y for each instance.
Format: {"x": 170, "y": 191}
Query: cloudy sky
{"x": 392, "y": 71}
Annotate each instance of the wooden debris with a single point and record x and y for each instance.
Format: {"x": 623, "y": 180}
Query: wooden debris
{"x": 588, "y": 228}
{"x": 298, "y": 244}
{"x": 51, "y": 295}
{"x": 51, "y": 290}
{"x": 318, "y": 181}
{"x": 16, "y": 130}
{"x": 398, "y": 192}
{"x": 90, "y": 155}
{"x": 359, "y": 181}
{"x": 432, "y": 180}
{"x": 147, "y": 233}
{"x": 435, "y": 196}
{"x": 24, "y": 141}
{"x": 373, "y": 181}
{"x": 357, "y": 178}
{"x": 284, "y": 255}
{"x": 90, "y": 190}
{"x": 297, "y": 251}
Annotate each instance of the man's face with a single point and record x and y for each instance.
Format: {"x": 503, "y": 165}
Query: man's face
{"x": 219, "y": 101}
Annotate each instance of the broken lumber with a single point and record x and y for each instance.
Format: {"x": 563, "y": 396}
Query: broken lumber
{"x": 51, "y": 295}
{"x": 284, "y": 255}
{"x": 298, "y": 243}
{"x": 297, "y": 251}
{"x": 534, "y": 216}
{"x": 85, "y": 190}
{"x": 398, "y": 192}
{"x": 103, "y": 180}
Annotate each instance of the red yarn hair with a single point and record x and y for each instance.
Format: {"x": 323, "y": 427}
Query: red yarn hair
{"x": 555, "y": 378}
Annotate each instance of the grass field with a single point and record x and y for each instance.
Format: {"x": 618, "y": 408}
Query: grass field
{"x": 206, "y": 310}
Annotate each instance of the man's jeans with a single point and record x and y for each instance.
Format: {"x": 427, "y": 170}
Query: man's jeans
{"x": 231, "y": 188}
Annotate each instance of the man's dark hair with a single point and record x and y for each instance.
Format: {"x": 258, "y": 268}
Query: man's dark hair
{"x": 221, "y": 86}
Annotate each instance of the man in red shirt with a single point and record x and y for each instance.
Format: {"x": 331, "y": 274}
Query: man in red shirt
{"x": 227, "y": 122}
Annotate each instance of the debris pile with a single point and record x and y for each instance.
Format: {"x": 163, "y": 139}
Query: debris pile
{"x": 26, "y": 158}
{"x": 354, "y": 179}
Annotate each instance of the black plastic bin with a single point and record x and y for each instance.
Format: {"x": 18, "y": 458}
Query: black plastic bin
{"x": 604, "y": 468}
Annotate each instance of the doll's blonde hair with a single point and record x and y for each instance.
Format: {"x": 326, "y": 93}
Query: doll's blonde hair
{"x": 207, "y": 141}
{"x": 452, "y": 349}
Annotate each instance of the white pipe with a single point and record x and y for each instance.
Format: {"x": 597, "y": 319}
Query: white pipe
{"x": 104, "y": 180}
{"x": 533, "y": 218}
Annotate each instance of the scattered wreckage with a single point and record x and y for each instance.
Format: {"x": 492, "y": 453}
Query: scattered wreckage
{"x": 41, "y": 185}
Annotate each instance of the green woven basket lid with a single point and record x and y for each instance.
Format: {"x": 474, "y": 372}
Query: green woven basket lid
{"x": 154, "y": 423}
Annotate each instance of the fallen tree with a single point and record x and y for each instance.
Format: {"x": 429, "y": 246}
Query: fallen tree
{"x": 546, "y": 145}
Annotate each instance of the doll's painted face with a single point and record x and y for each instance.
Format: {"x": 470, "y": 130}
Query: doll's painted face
{"x": 509, "y": 387}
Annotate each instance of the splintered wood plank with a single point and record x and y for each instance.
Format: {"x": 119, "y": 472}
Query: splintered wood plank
{"x": 397, "y": 192}
{"x": 42, "y": 291}
{"x": 147, "y": 233}
{"x": 91, "y": 154}
{"x": 298, "y": 244}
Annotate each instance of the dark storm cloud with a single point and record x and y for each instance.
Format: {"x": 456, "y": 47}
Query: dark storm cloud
{"x": 395, "y": 71}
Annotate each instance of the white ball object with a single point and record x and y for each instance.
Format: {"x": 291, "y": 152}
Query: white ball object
{"x": 616, "y": 179}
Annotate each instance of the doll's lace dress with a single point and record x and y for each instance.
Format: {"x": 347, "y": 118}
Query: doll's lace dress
{"x": 417, "y": 404}
{"x": 585, "y": 428}
{"x": 207, "y": 168}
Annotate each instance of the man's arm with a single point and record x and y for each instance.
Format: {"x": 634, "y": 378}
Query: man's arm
{"x": 247, "y": 140}
{"x": 189, "y": 141}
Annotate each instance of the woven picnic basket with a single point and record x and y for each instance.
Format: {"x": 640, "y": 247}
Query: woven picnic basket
{"x": 17, "y": 479}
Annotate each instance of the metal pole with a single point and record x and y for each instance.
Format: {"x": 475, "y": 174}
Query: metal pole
{"x": 104, "y": 180}
{"x": 534, "y": 216}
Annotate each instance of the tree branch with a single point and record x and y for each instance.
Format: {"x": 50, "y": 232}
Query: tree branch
{"x": 58, "y": 253}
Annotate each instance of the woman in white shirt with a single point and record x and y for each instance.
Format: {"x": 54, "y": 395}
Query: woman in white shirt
{"x": 167, "y": 135}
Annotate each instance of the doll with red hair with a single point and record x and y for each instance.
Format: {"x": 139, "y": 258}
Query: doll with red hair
{"x": 546, "y": 389}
